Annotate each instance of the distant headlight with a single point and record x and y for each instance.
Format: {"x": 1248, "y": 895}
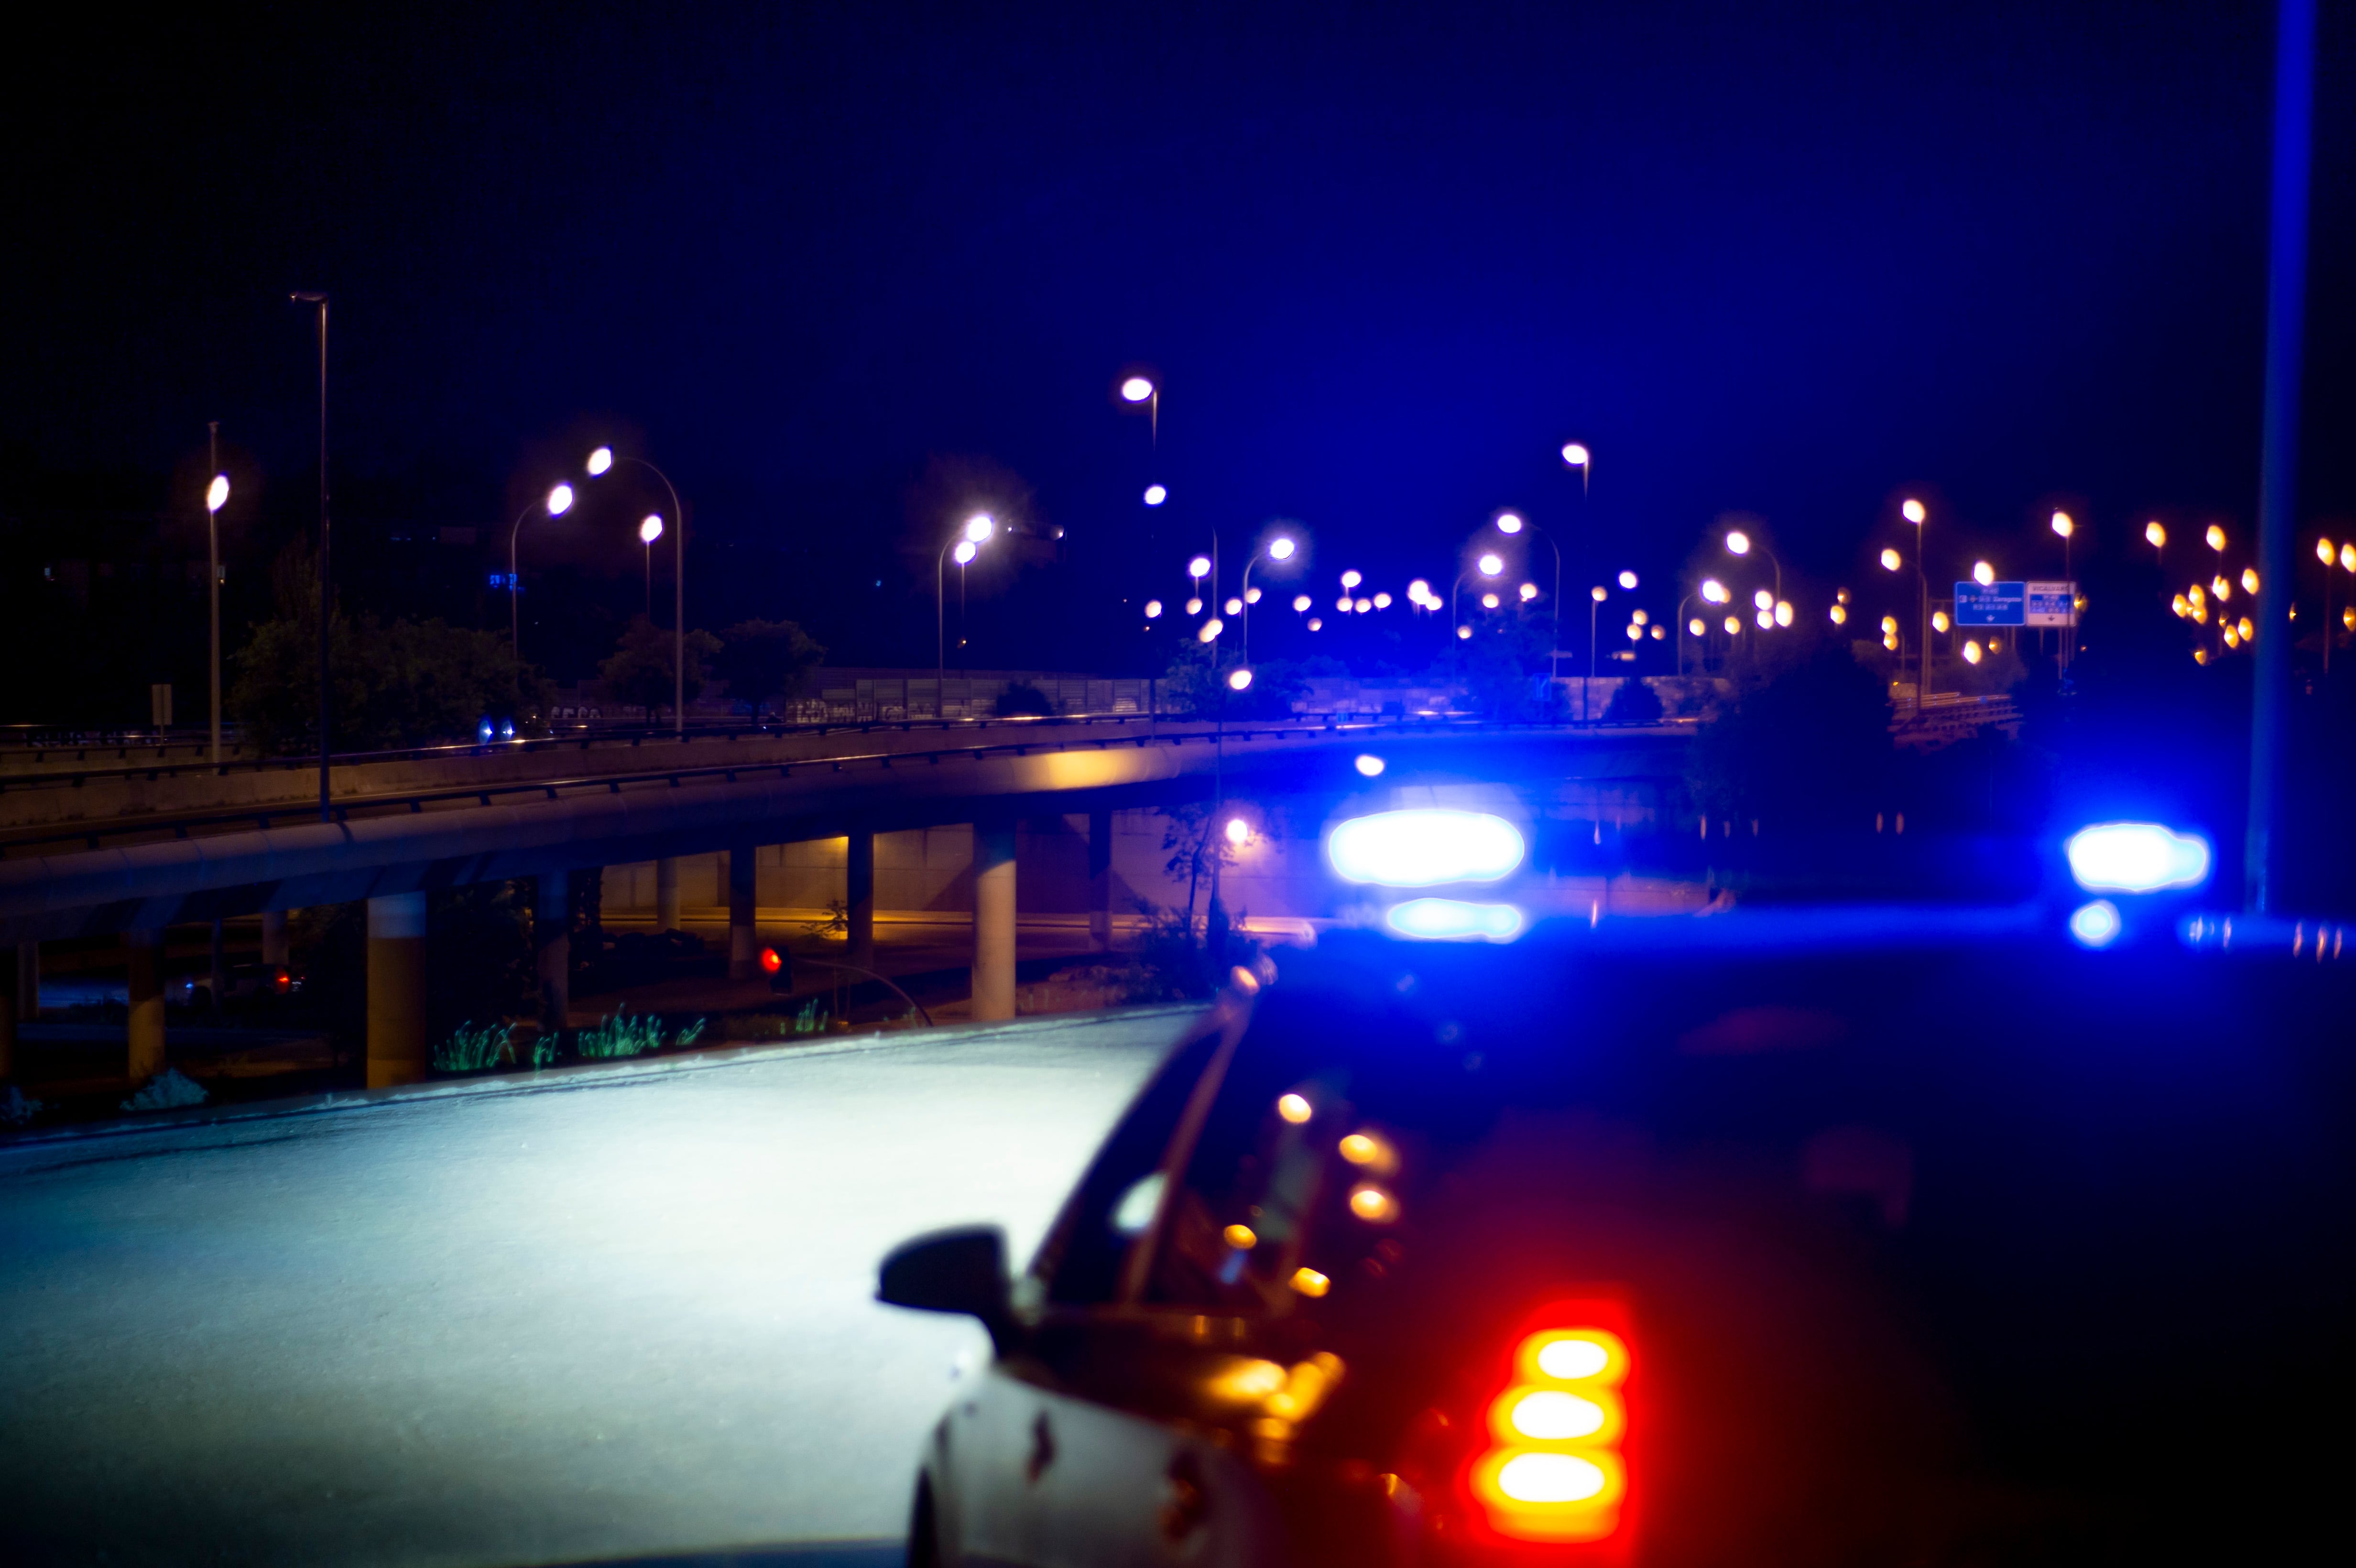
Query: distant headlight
{"x": 2137, "y": 858}
{"x": 1424, "y": 849}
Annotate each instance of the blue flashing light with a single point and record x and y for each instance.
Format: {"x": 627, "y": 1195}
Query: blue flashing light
{"x": 2096, "y": 925}
{"x": 485, "y": 731}
{"x": 1425, "y": 847}
{"x": 1454, "y": 920}
{"x": 507, "y": 729}
{"x": 2137, "y": 858}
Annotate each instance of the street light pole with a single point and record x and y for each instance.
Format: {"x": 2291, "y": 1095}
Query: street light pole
{"x": 327, "y": 689}
{"x": 966, "y": 542}
{"x": 216, "y": 497}
{"x": 1587, "y": 682}
{"x": 558, "y": 501}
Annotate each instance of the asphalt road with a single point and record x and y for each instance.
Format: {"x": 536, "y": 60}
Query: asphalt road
{"x": 605, "y": 1318}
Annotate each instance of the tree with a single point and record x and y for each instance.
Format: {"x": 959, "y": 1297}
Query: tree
{"x": 1195, "y": 687}
{"x": 1634, "y": 703}
{"x": 397, "y": 684}
{"x": 762, "y": 660}
{"x": 1809, "y": 747}
{"x": 1501, "y": 669}
{"x": 640, "y": 673}
{"x": 1022, "y": 698}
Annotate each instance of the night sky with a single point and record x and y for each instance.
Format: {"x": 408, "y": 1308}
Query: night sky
{"x": 1790, "y": 261}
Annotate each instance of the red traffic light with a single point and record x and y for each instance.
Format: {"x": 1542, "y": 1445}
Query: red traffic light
{"x": 770, "y": 961}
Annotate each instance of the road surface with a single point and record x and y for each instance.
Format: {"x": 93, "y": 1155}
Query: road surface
{"x": 610, "y": 1318}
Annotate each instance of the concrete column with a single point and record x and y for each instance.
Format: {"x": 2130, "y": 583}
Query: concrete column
{"x": 667, "y": 895}
{"x": 552, "y": 943}
{"x": 397, "y": 1050}
{"x": 1100, "y": 879}
{"x": 145, "y": 949}
{"x": 993, "y": 921}
{"x": 274, "y": 946}
{"x": 858, "y": 900}
{"x": 8, "y": 1023}
{"x": 28, "y": 982}
{"x": 743, "y": 941}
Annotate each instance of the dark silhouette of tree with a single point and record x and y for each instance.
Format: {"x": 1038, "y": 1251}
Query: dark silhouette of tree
{"x": 765, "y": 660}
{"x": 1809, "y": 748}
{"x": 639, "y": 672}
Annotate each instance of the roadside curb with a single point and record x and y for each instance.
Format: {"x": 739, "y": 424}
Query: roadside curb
{"x": 580, "y": 1075}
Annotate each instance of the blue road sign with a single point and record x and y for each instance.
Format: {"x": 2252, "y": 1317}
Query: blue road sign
{"x": 1991, "y": 604}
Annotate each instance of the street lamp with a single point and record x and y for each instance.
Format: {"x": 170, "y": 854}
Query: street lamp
{"x": 966, "y": 542}
{"x": 1489, "y": 565}
{"x": 1914, "y": 512}
{"x": 650, "y": 530}
{"x": 1740, "y": 543}
{"x": 1576, "y": 455}
{"x": 327, "y": 685}
{"x": 1513, "y": 523}
{"x": 1281, "y": 547}
{"x": 601, "y": 462}
{"x": 215, "y": 497}
{"x": 1595, "y": 597}
{"x": 2065, "y": 525}
{"x": 558, "y": 501}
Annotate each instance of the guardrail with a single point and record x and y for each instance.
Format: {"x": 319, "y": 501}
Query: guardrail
{"x": 398, "y": 802}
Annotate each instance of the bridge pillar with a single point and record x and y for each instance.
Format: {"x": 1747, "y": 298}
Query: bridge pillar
{"x": 275, "y": 948}
{"x": 859, "y": 899}
{"x": 552, "y": 945}
{"x": 1100, "y": 879}
{"x": 8, "y": 1023}
{"x": 743, "y": 940}
{"x": 397, "y": 1050}
{"x": 667, "y": 895}
{"x": 993, "y": 921}
{"x": 28, "y": 982}
{"x": 144, "y": 951}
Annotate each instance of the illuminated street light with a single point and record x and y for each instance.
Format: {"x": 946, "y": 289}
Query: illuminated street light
{"x": 1300, "y": 601}
{"x": 1156, "y": 494}
{"x": 2323, "y": 551}
{"x": 2348, "y": 558}
{"x": 601, "y": 460}
{"x": 1316, "y": 624}
{"x": 1696, "y": 626}
{"x": 2243, "y": 625}
{"x": 1734, "y": 625}
{"x": 215, "y": 497}
{"x": 1351, "y": 578}
{"x": 2154, "y": 535}
{"x": 1382, "y": 601}
{"x": 2181, "y": 605}
{"x": 1463, "y": 633}
{"x": 1199, "y": 567}
{"x": 1939, "y": 622}
{"x": 1136, "y": 389}
{"x": 1574, "y": 455}
{"x": 2249, "y": 580}
{"x": 1281, "y": 548}
{"x": 1839, "y": 613}
{"x": 1491, "y": 565}
{"x": 963, "y": 553}
{"x": 1252, "y": 595}
{"x": 2063, "y": 525}
{"x": 1235, "y": 606}
{"x": 1762, "y": 600}
{"x": 966, "y": 543}
{"x": 1714, "y": 591}
{"x": 650, "y": 529}
{"x": 1344, "y": 603}
{"x": 1783, "y": 612}
{"x": 1509, "y": 522}
{"x": 1239, "y": 679}
{"x": 560, "y": 500}
{"x": 1529, "y": 592}
{"x": 1210, "y": 630}
{"x": 2221, "y": 588}
{"x": 979, "y": 527}
{"x": 1983, "y": 573}
{"x": 1971, "y": 653}
{"x": 1913, "y": 510}
{"x": 1195, "y": 606}
{"x": 556, "y": 503}
{"x": 1635, "y": 632}
{"x": 1418, "y": 591}
{"x": 1890, "y": 561}
{"x": 1628, "y": 580}
{"x": 1488, "y": 601}
{"x": 1766, "y": 619}
{"x": 1153, "y": 609}
{"x": 2216, "y": 538}
{"x": 1737, "y": 542}
{"x": 1238, "y": 831}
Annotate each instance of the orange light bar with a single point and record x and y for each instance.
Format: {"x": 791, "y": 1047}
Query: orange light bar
{"x": 1555, "y": 1469}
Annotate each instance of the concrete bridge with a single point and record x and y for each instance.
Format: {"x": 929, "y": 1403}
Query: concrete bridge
{"x": 140, "y": 851}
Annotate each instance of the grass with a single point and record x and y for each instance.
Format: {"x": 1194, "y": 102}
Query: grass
{"x": 472, "y": 1050}
{"x": 620, "y": 1035}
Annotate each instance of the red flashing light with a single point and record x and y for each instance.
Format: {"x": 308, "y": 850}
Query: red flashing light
{"x": 770, "y": 961}
{"x": 282, "y": 980}
{"x": 1555, "y": 1469}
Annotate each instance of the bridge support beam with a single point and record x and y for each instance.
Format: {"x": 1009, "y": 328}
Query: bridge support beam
{"x": 397, "y": 1050}
{"x": 993, "y": 921}
{"x": 28, "y": 982}
{"x": 8, "y": 1023}
{"x": 144, "y": 951}
{"x": 275, "y": 948}
{"x": 859, "y": 899}
{"x": 1100, "y": 879}
{"x": 551, "y": 948}
{"x": 667, "y": 895}
{"x": 743, "y": 940}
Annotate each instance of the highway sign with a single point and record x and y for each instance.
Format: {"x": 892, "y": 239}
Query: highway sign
{"x": 2050, "y": 603}
{"x": 1991, "y": 604}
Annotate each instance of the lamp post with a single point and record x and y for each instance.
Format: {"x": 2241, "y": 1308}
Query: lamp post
{"x": 1489, "y": 565}
{"x": 1740, "y": 543}
{"x": 326, "y": 690}
{"x": 2065, "y": 525}
{"x": 650, "y": 530}
{"x": 1595, "y": 597}
{"x": 559, "y": 501}
{"x": 1281, "y": 547}
{"x": 215, "y": 497}
{"x": 601, "y": 462}
{"x": 966, "y": 542}
{"x": 1511, "y": 523}
{"x": 1914, "y": 512}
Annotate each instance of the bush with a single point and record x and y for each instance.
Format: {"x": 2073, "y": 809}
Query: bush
{"x": 1634, "y": 703}
{"x": 472, "y": 1050}
{"x": 1021, "y": 698}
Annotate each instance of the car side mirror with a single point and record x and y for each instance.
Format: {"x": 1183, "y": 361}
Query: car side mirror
{"x": 961, "y": 1269}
